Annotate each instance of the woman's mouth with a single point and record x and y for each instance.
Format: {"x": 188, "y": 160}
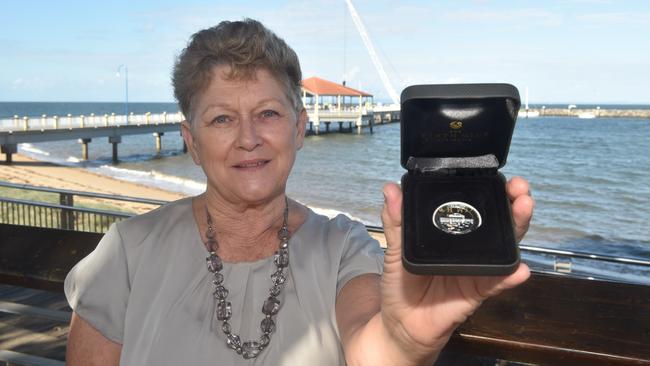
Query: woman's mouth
{"x": 251, "y": 164}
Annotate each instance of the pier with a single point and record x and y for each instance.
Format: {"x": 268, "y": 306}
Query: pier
{"x": 84, "y": 129}
{"x": 335, "y": 108}
{"x": 328, "y": 102}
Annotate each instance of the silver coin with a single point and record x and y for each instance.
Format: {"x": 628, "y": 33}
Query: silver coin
{"x": 456, "y": 218}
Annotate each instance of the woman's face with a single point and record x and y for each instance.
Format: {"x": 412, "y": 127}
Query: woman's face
{"x": 245, "y": 135}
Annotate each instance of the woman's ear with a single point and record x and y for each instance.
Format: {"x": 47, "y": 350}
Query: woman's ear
{"x": 301, "y": 124}
{"x": 190, "y": 143}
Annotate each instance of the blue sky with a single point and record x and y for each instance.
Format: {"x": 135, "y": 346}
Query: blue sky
{"x": 572, "y": 51}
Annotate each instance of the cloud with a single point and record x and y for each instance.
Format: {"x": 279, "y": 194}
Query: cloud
{"x": 592, "y": 2}
{"x": 31, "y": 84}
{"x": 351, "y": 73}
{"x": 504, "y": 17}
{"x": 615, "y": 18}
{"x": 148, "y": 28}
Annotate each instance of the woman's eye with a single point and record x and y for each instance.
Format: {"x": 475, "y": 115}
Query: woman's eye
{"x": 270, "y": 114}
{"x": 221, "y": 119}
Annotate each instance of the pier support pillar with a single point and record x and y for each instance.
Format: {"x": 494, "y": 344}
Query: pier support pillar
{"x": 359, "y": 125}
{"x": 370, "y": 123}
{"x": 84, "y": 148}
{"x": 327, "y": 127}
{"x": 158, "y": 136}
{"x": 340, "y": 126}
{"x": 349, "y": 126}
{"x": 8, "y": 150}
{"x": 311, "y": 128}
{"x": 115, "y": 140}
{"x": 316, "y": 128}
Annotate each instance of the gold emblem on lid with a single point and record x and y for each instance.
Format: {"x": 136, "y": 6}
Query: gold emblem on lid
{"x": 456, "y": 125}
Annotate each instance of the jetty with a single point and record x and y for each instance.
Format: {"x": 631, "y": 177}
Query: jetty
{"x": 84, "y": 129}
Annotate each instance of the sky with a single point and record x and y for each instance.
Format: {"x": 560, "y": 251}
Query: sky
{"x": 571, "y": 51}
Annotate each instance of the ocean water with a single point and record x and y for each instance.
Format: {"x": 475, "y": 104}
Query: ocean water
{"x": 589, "y": 177}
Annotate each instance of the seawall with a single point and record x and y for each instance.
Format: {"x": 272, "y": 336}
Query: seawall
{"x": 575, "y": 112}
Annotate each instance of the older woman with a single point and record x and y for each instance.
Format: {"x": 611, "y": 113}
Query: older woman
{"x": 242, "y": 271}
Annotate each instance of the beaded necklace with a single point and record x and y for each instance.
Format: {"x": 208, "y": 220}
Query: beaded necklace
{"x": 248, "y": 349}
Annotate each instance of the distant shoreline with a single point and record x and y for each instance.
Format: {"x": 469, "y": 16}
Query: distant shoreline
{"x": 586, "y": 112}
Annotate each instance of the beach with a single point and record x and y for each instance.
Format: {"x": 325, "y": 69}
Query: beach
{"x": 26, "y": 170}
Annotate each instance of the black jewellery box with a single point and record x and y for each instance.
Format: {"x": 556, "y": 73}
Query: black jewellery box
{"x": 456, "y": 213}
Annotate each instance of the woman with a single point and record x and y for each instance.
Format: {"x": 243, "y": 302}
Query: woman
{"x": 282, "y": 285}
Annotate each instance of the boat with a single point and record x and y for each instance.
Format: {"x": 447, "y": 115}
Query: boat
{"x": 527, "y": 112}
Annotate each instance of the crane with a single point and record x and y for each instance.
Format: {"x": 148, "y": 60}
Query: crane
{"x": 371, "y": 50}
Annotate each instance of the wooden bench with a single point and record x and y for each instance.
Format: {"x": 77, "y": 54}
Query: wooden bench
{"x": 36, "y": 258}
{"x": 549, "y": 320}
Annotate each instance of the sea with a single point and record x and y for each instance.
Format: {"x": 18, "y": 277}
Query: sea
{"x": 589, "y": 177}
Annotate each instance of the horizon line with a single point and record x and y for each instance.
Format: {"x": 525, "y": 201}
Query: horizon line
{"x": 388, "y": 102}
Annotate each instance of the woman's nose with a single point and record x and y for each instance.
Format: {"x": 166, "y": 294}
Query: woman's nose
{"x": 248, "y": 138}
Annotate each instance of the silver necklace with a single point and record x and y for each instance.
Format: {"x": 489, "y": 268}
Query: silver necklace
{"x": 223, "y": 311}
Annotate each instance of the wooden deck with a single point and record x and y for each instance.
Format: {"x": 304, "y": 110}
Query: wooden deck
{"x": 549, "y": 320}
{"x": 39, "y": 334}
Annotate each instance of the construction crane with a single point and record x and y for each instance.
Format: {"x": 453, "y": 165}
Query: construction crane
{"x": 371, "y": 50}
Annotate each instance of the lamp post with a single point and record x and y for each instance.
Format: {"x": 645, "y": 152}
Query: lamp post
{"x": 126, "y": 89}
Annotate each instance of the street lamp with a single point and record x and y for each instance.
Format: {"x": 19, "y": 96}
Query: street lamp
{"x": 126, "y": 89}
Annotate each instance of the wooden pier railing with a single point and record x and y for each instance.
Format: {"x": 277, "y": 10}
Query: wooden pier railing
{"x": 69, "y": 121}
{"x": 84, "y": 128}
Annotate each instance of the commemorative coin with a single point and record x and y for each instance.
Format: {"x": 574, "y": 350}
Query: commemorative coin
{"x": 456, "y": 218}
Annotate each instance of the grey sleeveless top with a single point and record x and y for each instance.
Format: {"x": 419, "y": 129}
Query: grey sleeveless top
{"x": 146, "y": 286}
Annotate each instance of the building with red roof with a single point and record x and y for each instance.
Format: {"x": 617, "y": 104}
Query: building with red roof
{"x": 332, "y": 96}
{"x": 327, "y": 102}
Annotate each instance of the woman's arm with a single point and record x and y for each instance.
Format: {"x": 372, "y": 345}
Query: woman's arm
{"x": 88, "y": 347}
{"x": 365, "y": 339}
{"x": 405, "y": 319}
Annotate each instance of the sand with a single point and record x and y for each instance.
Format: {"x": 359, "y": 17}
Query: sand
{"x": 25, "y": 170}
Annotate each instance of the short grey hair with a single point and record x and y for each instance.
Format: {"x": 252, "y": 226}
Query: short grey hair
{"x": 245, "y": 46}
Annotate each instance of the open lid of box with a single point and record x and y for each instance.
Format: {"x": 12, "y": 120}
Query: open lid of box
{"x": 457, "y": 121}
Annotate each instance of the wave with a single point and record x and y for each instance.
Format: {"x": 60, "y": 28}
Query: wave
{"x": 332, "y": 213}
{"x": 189, "y": 186}
{"x": 152, "y": 178}
{"x": 30, "y": 151}
{"x": 29, "y": 148}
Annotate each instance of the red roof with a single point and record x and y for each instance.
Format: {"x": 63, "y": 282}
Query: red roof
{"x": 319, "y": 86}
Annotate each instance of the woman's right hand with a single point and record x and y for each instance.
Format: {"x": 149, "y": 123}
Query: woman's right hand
{"x": 421, "y": 312}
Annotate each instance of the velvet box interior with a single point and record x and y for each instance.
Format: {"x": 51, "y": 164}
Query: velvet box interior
{"x": 456, "y": 214}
